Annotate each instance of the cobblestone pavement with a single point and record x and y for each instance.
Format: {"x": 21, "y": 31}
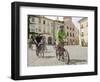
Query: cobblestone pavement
{"x": 50, "y": 56}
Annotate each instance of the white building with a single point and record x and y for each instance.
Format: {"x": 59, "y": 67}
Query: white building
{"x": 43, "y": 25}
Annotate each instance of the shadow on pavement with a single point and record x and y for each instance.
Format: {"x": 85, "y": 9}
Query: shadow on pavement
{"x": 73, "y": 61}
{"x": 47, "y": 57}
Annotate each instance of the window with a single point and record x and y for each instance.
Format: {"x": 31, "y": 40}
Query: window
{"x": 67, "y": 27}
{"x": 73, "y": 29}
{"x": 36, "y": 30}
{"x": 67, "y": 33}
{"x": 39, "y": 29}
{"x": 32, "y": 27}
{"x": 73, "y": 34}
{"x": 70, "y": 28}
{"x": 81, "y": 26}
{"x": 39, "y": 20}
{"x": 70, "y": 34}
{"x": 87, "y": 24}
{"x": 32, "y": 19}
{"x": 44, "y": 22}
{"x": 73, "y": 40}
{"x": 82, "y": 34}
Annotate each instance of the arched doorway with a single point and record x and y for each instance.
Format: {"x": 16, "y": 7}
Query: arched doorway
{"x": 49, "y": 40}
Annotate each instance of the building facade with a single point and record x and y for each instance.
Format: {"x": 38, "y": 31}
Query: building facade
{"x": 42, "y": 25}
{"x": 84, "y": 31}
{"x": 49, "y": 27}
{"x": 71, "y": 30}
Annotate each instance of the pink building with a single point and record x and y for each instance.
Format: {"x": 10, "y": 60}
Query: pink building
{"x": 71, "y": 30}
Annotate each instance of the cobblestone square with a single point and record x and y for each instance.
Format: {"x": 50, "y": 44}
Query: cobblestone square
{"x": 78, "y": 55}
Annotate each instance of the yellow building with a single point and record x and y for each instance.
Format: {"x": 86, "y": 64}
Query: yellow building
{"x": 84, "y": 31}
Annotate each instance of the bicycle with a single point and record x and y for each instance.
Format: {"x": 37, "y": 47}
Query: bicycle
{"x": 62, "y": 53}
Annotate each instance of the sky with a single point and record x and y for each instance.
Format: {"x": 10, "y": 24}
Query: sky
{"x": 74, "y": 19}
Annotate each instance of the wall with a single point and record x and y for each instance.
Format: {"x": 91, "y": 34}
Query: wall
{"x": 5, "y": 41}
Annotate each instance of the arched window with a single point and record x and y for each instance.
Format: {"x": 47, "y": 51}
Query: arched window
{"x": 67, "y": 33}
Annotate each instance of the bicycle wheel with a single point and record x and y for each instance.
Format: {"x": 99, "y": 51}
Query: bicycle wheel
{"x": 37, "y": 52}
{"x": 57, "y": 54}
{"x": 66, "y": 57}
{"x": 41, "y": 51}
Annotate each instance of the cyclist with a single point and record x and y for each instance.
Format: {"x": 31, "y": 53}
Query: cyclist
{"x": 38, "y": 41}
{"x": 61, "y": 36}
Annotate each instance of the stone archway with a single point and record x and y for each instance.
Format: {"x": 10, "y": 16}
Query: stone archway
{"x": 49, "y": 40}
